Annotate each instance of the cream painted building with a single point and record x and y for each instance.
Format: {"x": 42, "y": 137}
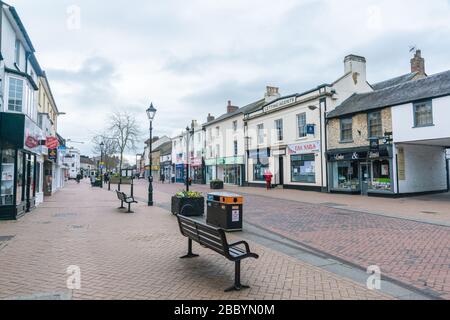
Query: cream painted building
{"x": 287, "y": 135}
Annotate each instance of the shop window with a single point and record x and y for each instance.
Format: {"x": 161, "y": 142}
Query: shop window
{"x": 303, "y": 168}
{"x": 345, "y": 175}
{"x": 423, "y": 114}
{"x": 259, "y": 169}
{"x": 375, "y": 125}
{"x": 301, "y": 125}
{"x": 7, "y": 184}
{"x": 381, "y": 176}
{"x": 15, "y": 95}
{"x": 346, "y": 129}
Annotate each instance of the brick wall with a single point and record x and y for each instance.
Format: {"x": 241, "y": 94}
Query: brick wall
{"x": 360, "y": 130}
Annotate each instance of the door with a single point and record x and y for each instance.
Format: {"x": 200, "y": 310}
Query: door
{"x": 281, "y": 170}
{"x": 366, "y": 177}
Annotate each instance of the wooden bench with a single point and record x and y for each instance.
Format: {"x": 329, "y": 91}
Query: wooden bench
{"x": 125, "y": 199}
{"x": 216, "y": 240}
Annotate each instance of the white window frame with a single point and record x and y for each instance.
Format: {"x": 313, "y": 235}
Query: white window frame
{"x": 23, "y": 95}
{"x": 260, "y": 133}
{"x": 305, "y": 133}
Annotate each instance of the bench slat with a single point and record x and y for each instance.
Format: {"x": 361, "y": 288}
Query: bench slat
{"x": 210, "y": 244}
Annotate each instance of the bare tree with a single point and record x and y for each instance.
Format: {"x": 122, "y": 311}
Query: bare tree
{"x": 125, "y": 130}
{"x": 110, "y": 149}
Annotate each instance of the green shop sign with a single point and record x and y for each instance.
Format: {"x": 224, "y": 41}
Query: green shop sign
{"x": 225, "y": 161}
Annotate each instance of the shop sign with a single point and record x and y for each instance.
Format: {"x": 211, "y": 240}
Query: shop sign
{"x": 33, "y": 136}
{"x": 279, "y": 104}
{"x": 303, "y": 148}
{"x": 311, "y": 129}
{"x": 281, "y": 152}
{"x": 373, "y": 155}
{"x": 53, "y": 155}
{"x": 52, "y": 143}
{"x": 196, "y": 162}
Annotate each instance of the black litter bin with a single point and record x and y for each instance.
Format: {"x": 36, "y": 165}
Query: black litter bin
{"x": 225, "y": 211}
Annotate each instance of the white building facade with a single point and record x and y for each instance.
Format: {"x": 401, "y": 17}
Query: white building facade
{"x": 287, "y": 135}
{"x": 188, "y": 150}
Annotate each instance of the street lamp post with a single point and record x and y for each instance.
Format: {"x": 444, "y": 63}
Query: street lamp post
{"x": 189, "y": 132}
{"x": 151, "y": 112}
{"x": 102, "y": 145}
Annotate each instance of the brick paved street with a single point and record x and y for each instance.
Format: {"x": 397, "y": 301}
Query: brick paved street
{"x": 411, "y": 252}
{"x": 135, "y": 256}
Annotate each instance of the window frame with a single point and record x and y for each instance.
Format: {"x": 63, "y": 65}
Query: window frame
{"x": 369, "y": 127}
{"x": 279, "y": 130}
{"x": 341, "y": 123}
{"x": 260, "y": 133}
{"x": 17, "y": 52}
{"x": 420, "y": 103}
{"x": 302, "y": 133}
{"x": 23, "y": 98}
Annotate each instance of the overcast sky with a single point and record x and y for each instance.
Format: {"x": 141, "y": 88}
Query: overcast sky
{"x": 191, "y": 57}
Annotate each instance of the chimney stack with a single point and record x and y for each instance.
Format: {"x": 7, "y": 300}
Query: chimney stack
{"x": 272, "y": 94}
{"x": 210, "y": 118}
{"x": 231, "y": 108}
{"x": 357, "y": 66}
{"x": 418, "y": 63}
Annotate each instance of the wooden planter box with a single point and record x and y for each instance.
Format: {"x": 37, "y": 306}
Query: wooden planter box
{"x": 197, "y": 203}
{"x": 216, "y": 185}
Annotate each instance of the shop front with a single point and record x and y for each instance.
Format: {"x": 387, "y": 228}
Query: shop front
{"x": 304, "y": 166}
{"x": 259, "y": 164}
{"x": 197, "y": 171}
{"x": 362, "y": 171}
{"x": 20, "y": 145}
{"x": 180, "y": 175}
{"x": 231, "y": 170}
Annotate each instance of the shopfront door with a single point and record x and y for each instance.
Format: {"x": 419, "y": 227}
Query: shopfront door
{"x": 366, "y": 177}
{"x": 281, "y": 170}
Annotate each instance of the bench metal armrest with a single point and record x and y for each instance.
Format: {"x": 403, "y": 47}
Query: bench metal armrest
{"x": 247, "y": 247}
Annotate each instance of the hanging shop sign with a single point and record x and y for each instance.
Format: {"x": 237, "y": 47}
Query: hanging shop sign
{"x": 53, "y": 155}
{"x": 304, "y": 148}
{"x": 52, "y": 143}
{"x": 32, "y": 136}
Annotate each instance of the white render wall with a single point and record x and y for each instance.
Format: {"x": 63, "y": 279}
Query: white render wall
{"x": 425, "y": 168}
{"x": 290, "y": 136}
{"x": 225, "y": 139}
{"x": 403, "y": 122}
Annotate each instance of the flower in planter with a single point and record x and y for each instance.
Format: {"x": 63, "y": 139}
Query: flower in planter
{"x": 190, "y": 194}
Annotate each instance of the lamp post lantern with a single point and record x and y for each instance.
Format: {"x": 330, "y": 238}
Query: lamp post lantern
{"x": 151, "y": 112}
